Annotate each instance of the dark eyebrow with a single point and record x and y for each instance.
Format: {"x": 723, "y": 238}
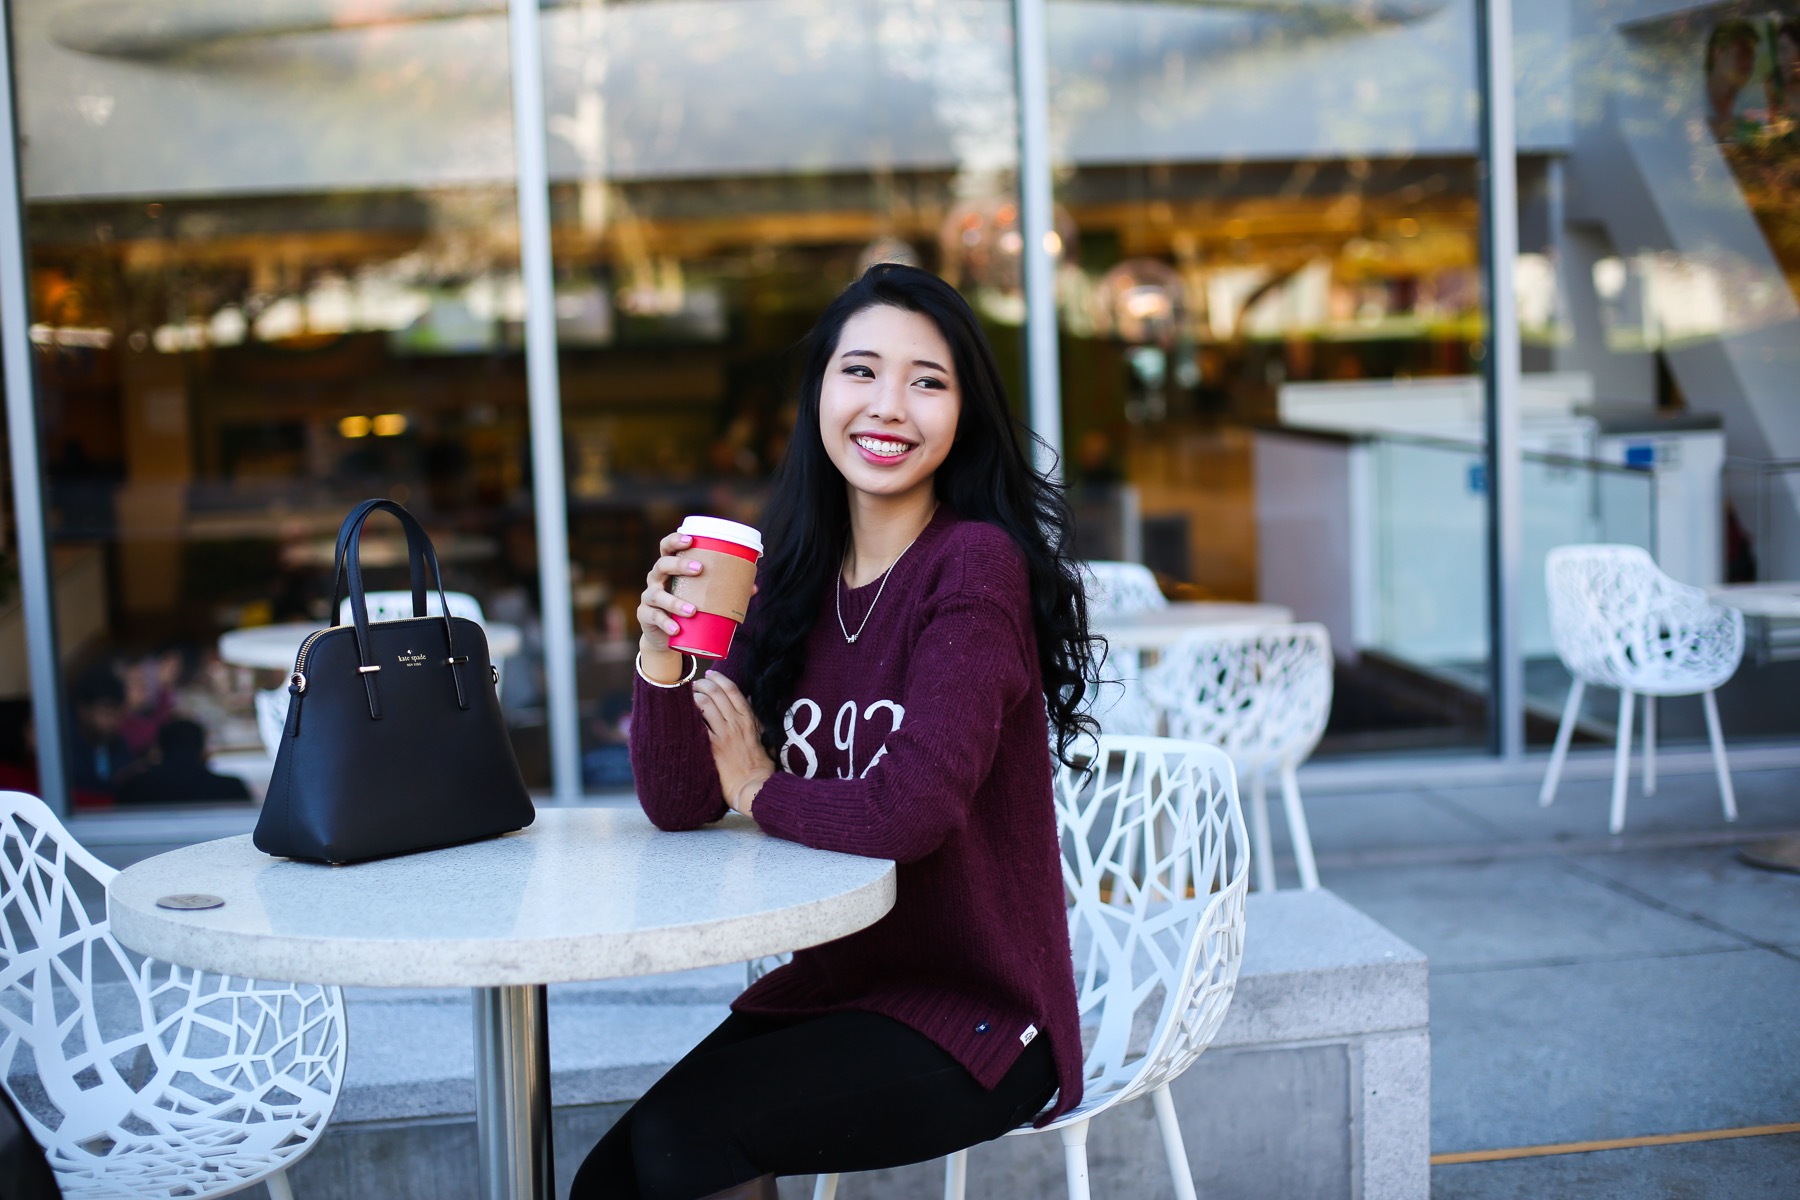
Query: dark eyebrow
{"x": 917, "y": 362}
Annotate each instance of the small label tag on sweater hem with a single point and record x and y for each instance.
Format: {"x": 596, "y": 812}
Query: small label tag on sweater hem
{"x": 1030, "y": 1032}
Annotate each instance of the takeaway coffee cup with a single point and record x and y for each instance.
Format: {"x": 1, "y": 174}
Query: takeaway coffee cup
{"x": 727, "y": 553}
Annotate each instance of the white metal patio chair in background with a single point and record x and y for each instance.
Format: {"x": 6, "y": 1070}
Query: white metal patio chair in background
{"x": 1619, "y": 622}
{"x": 140, "y": 1078}
{"x": 1118, "y": 588}
{"x": 397, "y": 606}
{"x": 272, "y": 703}
{"x": 1157, "y": 859}
{"x": 1262, "y": 693}
{"x": 1117, "y": 703}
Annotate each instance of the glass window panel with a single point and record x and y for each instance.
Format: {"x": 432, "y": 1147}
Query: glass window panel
{"x": 1659, "y": 227}
{"x": 720, "y": 171}
{"x": 18, "y": 768}
{"x": 274, "y": 271}
{"x": 1271, "y": 290}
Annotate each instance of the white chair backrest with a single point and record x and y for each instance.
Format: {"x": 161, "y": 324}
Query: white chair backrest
{"x": 1260, "y": 692}
{"x": 133, "y": 1074}
{"x": 1119, "y": 588}
{"x": 1618, "y": 621}
{"x": 1156, "y": 857}
{"x": 1121, "y": 707}
{"x": 1118, "y": 704}
{"x": 397, "y": 606}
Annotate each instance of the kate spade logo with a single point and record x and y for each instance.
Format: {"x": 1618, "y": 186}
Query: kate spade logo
{"x": 412, "y": 659}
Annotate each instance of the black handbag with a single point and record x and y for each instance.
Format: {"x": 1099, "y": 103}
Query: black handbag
{"x": 394, "y": 740}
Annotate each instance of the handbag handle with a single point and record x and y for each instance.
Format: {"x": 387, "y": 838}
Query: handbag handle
{"x": 418, "y": 547}
{"x": 415, "y": 558}
{"x": 421, "y": 555}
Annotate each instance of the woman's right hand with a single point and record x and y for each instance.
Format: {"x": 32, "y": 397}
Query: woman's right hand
{"x": 660, "y": 611}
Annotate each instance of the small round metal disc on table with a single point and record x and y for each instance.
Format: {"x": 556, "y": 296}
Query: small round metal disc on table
{"x": 582, "y": 894}
{"x": 1781, "y": 602}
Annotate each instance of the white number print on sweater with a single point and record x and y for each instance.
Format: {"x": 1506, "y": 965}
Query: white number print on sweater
{"x": 802, "y": 721}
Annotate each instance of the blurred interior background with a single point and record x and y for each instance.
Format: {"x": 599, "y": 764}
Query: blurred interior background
{"x": 274, "y": 268}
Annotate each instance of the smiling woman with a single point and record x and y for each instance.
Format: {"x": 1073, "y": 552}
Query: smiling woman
{"x": 888, "y": 413}
{"x": 906, "y": 479}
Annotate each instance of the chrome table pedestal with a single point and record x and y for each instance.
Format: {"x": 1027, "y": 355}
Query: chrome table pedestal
{"x": 512, "y": 1092}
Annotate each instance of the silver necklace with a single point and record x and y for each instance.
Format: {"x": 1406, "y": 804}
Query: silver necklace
{"x": 838, "y": 592}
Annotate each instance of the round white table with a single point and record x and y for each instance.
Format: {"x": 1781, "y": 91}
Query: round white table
{"x": 274, "y": 646}
{"x": 1778, "y": 601}
{"x": 582, "y": 894}
{"x": 1160, "y": 628}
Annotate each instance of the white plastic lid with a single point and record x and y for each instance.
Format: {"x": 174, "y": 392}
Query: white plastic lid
{"x": 724, "y": 531}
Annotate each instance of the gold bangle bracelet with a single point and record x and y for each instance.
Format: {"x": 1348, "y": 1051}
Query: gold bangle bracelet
{"x": 693, "y": 670}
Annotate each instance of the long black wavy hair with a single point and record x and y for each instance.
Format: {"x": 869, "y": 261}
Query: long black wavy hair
{"x": 986, "y": 477}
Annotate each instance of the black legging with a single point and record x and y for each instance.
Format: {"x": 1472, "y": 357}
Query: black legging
{"x": 845, "y": 1092}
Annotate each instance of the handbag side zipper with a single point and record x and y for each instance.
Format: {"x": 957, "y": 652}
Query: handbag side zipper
{"x": 297, "y": 681}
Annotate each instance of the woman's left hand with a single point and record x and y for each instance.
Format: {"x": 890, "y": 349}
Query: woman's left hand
{"x": 736, "y": 739}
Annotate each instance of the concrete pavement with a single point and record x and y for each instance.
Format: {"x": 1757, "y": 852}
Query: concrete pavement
{"x": 1586, "y": 988}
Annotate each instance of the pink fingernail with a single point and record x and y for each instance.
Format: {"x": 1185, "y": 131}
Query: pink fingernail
{"x": 694, "y": 566}
{"x": 688, "y": 609}
{"x": 674, "y": 627}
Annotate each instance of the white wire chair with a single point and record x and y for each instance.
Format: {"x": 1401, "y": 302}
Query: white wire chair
{"x": 1619, "y": 622}
{"x": 271, "y": 704}
{"x": 1119, "y": 588}
{"x": 1262, "y": 693}
{"x": 1157, "y": 861}
{"x": 140, "y": 1078}
{"x": 397, "y": 606}
{"x": 1117, "y": 703}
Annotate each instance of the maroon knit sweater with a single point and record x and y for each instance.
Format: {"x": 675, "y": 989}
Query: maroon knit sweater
{"x": 924, "y": 742}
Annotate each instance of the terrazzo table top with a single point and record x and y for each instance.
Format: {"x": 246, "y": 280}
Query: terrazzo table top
{"x": 581, "y": 894}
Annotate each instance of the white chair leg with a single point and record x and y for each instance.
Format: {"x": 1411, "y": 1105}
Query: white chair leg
{"x": 1262, "y": 850}
{"x": 825, "y": 1187}
{"x": 1649, "y": 745}
{"x": 1553, "y": 776}
{"x": 1622, "y": 760}
{"x": 278, "y": 1185}
{"x": 1075, "y": 1167}
{"x": 1174, "y": 1149}
{"x": 1717, "y": 735}
{"x": 956, "y": 1175}
{"x": 1296, "y": 819}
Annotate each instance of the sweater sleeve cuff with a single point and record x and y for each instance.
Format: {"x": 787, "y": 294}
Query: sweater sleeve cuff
{"x": 677, "y": 784}
{"x": 778, "y": 808}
